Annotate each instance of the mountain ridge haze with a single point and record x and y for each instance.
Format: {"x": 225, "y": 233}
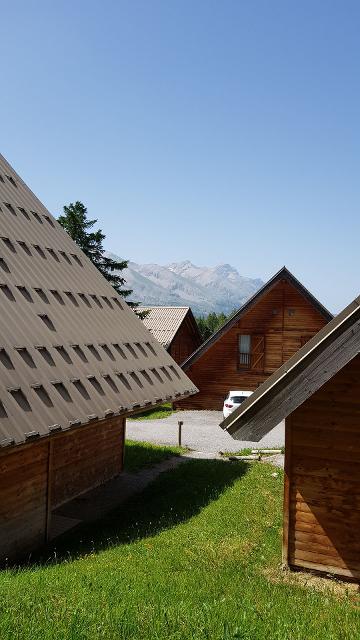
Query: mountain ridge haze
{"x": 205, "y": 289}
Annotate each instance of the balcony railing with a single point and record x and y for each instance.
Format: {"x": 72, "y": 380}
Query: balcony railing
{"x": 245, "y": 360}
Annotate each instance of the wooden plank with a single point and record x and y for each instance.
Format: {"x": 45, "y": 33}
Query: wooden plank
{"x": 322, "y": 558}
{"x": 300, "y": 563}
{"x": 287, "y": 492}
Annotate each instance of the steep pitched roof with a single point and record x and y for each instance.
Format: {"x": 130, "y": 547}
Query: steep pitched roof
{"x": 165, "y": 322}
{"x": 71, "y": 350}
{"x": 283, "y": 273}
{"x": 315, "y": 363}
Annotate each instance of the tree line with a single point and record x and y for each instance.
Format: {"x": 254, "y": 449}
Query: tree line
{"x": 211, "y": 323}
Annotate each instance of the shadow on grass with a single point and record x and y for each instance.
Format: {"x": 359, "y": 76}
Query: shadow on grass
{"x": 140, "y": 455}
{"x": 173, "y": 498}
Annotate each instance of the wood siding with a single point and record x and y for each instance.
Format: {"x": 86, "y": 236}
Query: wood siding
{"x": 37, "y": 477}
{"x": 87, "y": 458}
{"x": 322, "y": 513}
{"x": 187, "y": 339}
{"x": 283, "y": 317}
{"x": 23, "y": 499}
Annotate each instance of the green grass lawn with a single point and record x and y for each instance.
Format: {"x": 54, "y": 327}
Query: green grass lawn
{"x": 163, "y": 411}
{"x": 144, "y": 454}
{"x": 196, "y": 558}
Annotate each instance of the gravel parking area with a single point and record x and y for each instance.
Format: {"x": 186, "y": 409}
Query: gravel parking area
{"x": 200, "y": 432}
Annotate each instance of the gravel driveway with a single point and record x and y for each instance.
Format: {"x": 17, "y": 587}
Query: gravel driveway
{"x": 200, "y": 432}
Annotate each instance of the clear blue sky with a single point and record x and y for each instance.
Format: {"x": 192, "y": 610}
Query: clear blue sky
{"x": 210, "y": 131}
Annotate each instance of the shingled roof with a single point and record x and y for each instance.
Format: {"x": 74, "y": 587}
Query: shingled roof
{"x": 71, "y": 350}
{"x": 165, "y": 322}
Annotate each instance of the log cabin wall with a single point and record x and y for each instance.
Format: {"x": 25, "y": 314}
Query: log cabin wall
{"x": 187, "y": 339}
{"x": 37, "y": 477}
{"x": 322, "y": 498}
{"x": 23, "y": 499}
{"x": 282, "y": 320}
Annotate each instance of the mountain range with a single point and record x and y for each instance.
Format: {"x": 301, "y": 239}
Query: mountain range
{"x": 204, "y": 289}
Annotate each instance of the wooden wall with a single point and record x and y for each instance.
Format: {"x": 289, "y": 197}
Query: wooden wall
{"x": 187, "y": 339}
{"x": 85, "y": 459}
{"x": 283, "y": 316}
{"x": 37, "y": 477}
{"x": 322, "y": 487}
{"x": 23, "y": 492}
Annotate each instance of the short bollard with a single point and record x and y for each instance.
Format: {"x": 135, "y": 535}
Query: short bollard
{"x": 180, "y": 424}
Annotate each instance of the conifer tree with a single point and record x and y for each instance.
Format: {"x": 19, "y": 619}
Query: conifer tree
{"x": 75, "y": 221}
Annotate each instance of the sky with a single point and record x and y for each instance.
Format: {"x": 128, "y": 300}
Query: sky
{"x": 211, "y": 131}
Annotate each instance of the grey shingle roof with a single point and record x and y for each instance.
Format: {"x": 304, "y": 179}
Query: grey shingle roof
{"x": 70, "y": 348}
{"x": 164, "y": 322}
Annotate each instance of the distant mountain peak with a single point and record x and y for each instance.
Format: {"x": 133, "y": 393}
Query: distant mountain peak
{"x": 205, "y": 289}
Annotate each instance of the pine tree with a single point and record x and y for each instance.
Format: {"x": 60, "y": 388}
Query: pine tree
{"x": 210, "y": 324}
{"x": 78, "y": 226}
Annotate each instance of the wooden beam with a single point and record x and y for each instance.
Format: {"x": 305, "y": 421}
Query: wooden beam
{"x": 287, "y": 489}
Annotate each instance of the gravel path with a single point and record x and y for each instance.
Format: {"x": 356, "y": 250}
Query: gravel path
{"x": 200, "y": 432}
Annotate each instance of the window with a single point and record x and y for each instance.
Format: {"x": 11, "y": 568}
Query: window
{"x": 53, "y": 254}
{"x": 4, "y": 266}
{"x": 40, "y": 251}
{"x": 37, "y": 217}
{"x": 12, "y": 181}
{"x": 24, "y": 212}
{"x": 244, "y": 351}
{"x": 24, "y": 246}
{"x": 251, "y": 351}
{"x": 77, "y": 259}
{"x": 65, "y": 256}
{"x": 24, "y": 291}
{"x": 42, "y": 295}
{"x": 10, "y": 207}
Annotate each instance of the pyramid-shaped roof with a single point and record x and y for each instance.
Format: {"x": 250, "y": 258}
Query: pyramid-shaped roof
{"x": 71, "y": 350}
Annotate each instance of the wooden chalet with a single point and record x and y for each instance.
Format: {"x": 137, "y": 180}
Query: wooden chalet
{"x": 175, "y": 328}
{"x": 74, "y": 362}
{"x": 267, "y": 330}
{"x": 318, "y": 393}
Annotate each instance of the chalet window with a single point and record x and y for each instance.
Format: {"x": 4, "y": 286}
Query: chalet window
{"x": 245, "y": 351}
{"x": 251, "y": 351}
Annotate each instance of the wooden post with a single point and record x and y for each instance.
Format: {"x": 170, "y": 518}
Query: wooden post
{"x": 180, "y": 424}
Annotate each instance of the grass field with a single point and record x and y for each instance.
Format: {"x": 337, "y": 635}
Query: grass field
{"x": 196, "y": 558}
{"x": 144, "y": 454}
{"x": 163, "y": 411}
